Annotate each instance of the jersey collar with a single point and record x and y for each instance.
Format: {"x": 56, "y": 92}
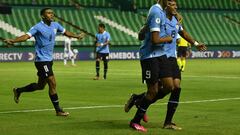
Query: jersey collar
{"x": 46, "y": 24}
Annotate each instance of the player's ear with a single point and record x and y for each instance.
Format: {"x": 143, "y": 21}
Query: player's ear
{"x": 43, "y": 17}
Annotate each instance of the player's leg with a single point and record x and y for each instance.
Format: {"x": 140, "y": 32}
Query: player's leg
{"x": 54, "y": 97}
{"x": 105, "y": 64}
{"x": 172, "y": 106}
{"x": 32, "y": 86}
{"x": 136, "y": 98}
{"x": 179, "y": 57}
{"x": 53, "y": 92}
{"x": 71, "y": 56}
{"x": 174, "y": 97}
{"x": 65, "y": 56}
{"x": 150, "y": 74}
{"x": 183, "y": 58}
{"x": 133, "y": 100}
{"x": 165, "y": 74}
{"x": 161, "y": 92}
{"x": 145, "y": 102}
{"x": 98, "y": 58}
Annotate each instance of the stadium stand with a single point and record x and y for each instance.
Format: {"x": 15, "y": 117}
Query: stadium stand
{"x": 209, "y": 4}
{"x": 214, "y": 28}
{"x": 82, "y": 18}
{"x": 182, "y": 4}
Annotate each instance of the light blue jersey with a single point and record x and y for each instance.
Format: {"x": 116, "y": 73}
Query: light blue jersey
{"x": 155, "y": 22}
{"x": 172, "y": 28}
{"x": 101, "y": 39}
{"x": 45, "y": 39}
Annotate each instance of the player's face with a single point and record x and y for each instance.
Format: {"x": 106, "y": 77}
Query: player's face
{"x": 48, "y": 15}
{"x": 100, "y": 29}
{"x": 172, "y": 7}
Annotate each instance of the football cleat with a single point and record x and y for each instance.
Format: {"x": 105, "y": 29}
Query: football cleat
{"x": 130, "y": 103}
{"x": 172, "y": 126}
{"x": 16, "y": 95}
{"x": 62, "y": 113}
{"x": 137, "y": 127}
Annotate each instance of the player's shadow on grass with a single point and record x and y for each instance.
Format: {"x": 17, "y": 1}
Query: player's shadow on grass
{"x": 106, "y": 124}
{"x": 111, "y": 124}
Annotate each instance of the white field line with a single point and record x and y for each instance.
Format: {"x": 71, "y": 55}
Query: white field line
{"x": 117, "y": 106}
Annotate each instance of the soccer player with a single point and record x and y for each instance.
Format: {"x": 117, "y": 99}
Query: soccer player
{"x": 172, "y": 28}
{"x": 153, "y": 60}
{"x": 68, "y": 52}
{"x": 44, "y": 33}
{"x": 182, "y": 53}
{"x": 102, "y": 50}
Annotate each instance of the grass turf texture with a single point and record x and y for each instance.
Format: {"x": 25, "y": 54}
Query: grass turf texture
{"x": 202, "y": 80}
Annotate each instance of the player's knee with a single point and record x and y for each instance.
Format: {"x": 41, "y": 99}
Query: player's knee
{"x": 105, "y": 64}
{"x": 151, "y": 95}
{"x": 40, "y": 86}
{"x": 169, "y": 87}
{"x": 176, "y": 86}
{"x": 97, "y": 60}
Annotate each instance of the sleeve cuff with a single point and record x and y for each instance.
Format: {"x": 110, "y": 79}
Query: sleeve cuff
{"x": 64, "y": 30}
{"x": 154, "y": 29}
{"x": 29, "y": 34}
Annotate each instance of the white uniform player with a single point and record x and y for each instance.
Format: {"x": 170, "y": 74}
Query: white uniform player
{"x": 68, "y": 53}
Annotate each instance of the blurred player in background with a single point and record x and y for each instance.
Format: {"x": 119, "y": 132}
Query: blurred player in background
{"x": 102, "y": 50}
{"x": 44, "y": 33}
{"x": 183, "y": 46}
{"x": 68, "y": 52}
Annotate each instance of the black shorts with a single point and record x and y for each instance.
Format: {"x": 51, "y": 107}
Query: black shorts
{"x": 102, "y": 56}
{"x": 176, "y": 73}
{"x": 182, "y": 51}
{"x": 154, "y": 69}
{"x": 44, "y": 69}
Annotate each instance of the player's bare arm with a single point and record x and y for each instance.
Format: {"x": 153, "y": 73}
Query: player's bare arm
{"x": 72, "y": 35}
{"x": 18, "y": 39}
{"x": 106, "y": 43}
{"x": 158, "y": 40}
{"x": 186, "y": 36}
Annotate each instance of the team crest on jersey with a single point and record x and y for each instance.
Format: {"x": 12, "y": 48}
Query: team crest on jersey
{"x": 177, "y": 27}
{"x": 158, "y": 20}
{"x": 55, "y": 31}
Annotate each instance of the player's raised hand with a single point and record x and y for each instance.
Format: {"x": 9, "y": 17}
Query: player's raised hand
{"x": 201, "y": 47}
{"x": 81, "y": 36}
{"x": 9, "y": 42}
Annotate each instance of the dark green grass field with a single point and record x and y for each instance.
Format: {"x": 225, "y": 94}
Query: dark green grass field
{"x": 210, "y": 100}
